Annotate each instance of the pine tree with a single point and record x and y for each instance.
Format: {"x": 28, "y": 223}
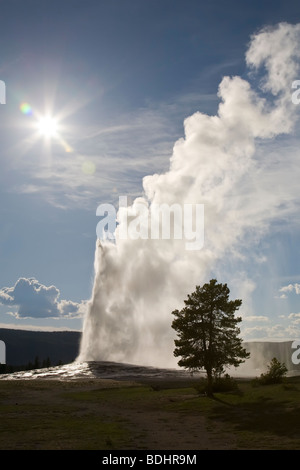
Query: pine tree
{"x": 36, "y": 363}
{"x": 208, "y": 332}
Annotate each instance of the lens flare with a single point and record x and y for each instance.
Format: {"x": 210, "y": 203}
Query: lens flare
{"x": 88, "y": 167}
{"x": 25, "y": 108}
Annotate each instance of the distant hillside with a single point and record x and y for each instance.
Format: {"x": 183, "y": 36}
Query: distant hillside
{"x": 24, "y": 346}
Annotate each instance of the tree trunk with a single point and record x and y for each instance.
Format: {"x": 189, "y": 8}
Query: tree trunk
{"x": 209, "y": 384}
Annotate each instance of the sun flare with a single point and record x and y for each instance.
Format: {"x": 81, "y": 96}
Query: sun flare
{"x": 47, "y": 126}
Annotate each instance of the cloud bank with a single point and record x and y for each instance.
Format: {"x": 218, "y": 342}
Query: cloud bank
{"x": 35, "y": 300}
{"x": 237, "y": 164}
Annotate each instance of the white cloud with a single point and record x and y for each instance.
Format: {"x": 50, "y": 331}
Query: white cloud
{"x": 289, "y": 288}
{"x": 255, "y": 332}
{"x": 295, "y": 317}
{"x": 14, "y": 326}
{"x": 277, "y": 332}
{"x": 256, "y": 318}
{"x": 35, "y": 300}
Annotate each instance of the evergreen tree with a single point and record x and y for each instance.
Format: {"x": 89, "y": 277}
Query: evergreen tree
{"x": 208, "y": 332}
{"x": 275, "y": 374}
{"x": 48, "y": 362}
{"x": 36, "y": 363}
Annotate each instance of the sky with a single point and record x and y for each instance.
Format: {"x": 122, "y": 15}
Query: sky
{"x": 120, "y": 79}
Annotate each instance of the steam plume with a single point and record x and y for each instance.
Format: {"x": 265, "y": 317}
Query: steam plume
{"x": 226, "y": 162}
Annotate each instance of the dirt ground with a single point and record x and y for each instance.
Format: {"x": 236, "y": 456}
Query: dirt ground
{"x": 157, "y": 429}
{"x": 163, "y": 431}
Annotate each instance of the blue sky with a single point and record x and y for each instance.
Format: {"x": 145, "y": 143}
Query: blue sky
{"x": 120, "y": 77}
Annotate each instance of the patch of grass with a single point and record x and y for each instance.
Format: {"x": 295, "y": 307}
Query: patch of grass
{"x": 37, "y": 427}
{"x": 42, "y": 416}
{"x": 264, "y": 417}
{"x": 109, "y": 395}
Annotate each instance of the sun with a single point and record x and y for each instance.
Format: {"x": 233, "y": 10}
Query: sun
{"x": 47, "y": 126}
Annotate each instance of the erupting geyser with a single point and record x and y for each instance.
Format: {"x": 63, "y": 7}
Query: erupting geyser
{"x": 225, "y": 162}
